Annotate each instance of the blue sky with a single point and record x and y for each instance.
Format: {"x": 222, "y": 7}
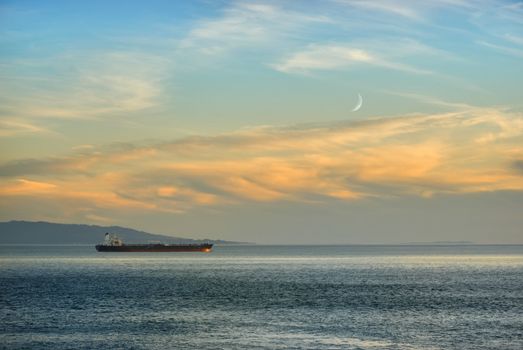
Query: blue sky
{"x": 157, "y": 114}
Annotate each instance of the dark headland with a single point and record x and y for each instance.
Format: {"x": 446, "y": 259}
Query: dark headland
{"x": 28, "y": 232}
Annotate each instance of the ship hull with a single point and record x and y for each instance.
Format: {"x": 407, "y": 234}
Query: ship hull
{"x": 153, "y": 248}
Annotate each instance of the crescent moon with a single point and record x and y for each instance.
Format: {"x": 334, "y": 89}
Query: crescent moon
{"x": 359, "y": 104}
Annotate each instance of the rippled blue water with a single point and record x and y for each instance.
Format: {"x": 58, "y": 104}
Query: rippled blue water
{"x": 263, "y": 297}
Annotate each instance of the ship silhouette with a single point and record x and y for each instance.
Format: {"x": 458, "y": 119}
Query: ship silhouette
{"x": 112, "y": 243}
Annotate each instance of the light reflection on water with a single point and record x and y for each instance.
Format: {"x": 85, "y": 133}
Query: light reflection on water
{"x": 263, "y": 297}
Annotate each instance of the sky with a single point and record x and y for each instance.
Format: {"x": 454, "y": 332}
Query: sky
{"x": 236, "y": 119}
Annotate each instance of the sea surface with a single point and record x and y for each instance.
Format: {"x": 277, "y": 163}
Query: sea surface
{"x": 263, "y": 297}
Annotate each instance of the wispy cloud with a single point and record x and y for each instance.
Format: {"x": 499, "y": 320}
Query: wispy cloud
{"x": 247, "y": 24}
{"x": 432, "y": 100}
{"x": 400, "y": 8}
{"x": 503, "y": 49}
{"x": 324, "y": 57}
{"x": 417, "y": 11}
{"x": 514, "y": 38}
{"x": 87, "y": 85}
{"x": 13, "y": 127}
{"x": 341, "y": 56}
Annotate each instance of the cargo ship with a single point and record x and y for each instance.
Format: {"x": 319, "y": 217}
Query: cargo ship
{"x": 113, "y": 243}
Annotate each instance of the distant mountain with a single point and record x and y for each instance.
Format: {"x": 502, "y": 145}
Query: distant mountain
{"x": 442, "y": 243}
{"x": 27, "y": 232}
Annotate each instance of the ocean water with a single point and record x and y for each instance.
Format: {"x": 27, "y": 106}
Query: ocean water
{"x": 263, "y": 297}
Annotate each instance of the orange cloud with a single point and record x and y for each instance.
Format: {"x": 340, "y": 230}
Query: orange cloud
{"x": 461, "y": 152}
{"x": 25, "y": 187}
{"x": 401, "y": 163}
